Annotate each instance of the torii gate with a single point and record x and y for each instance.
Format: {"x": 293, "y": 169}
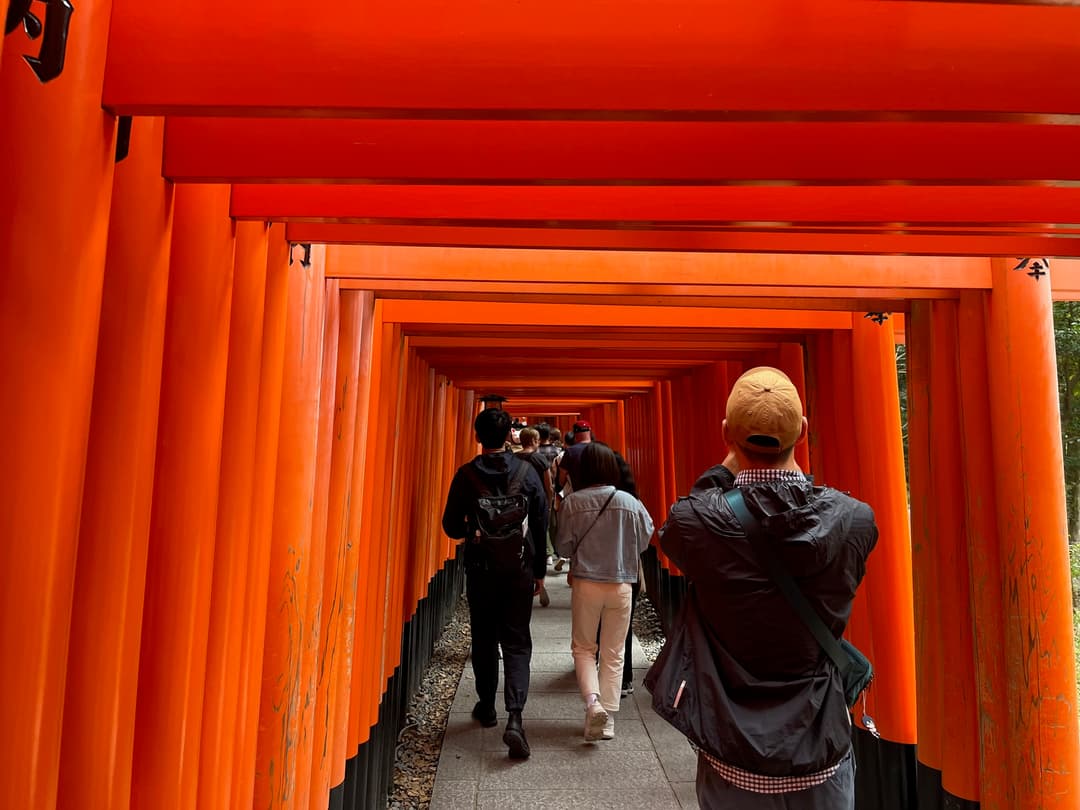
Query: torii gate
{"x": 712, "y": 142}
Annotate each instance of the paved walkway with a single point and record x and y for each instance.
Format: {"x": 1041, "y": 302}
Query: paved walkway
{"x": 647, "y": 765}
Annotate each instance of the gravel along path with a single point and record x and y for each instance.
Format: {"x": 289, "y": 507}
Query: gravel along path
{"x": 420, "y": 741}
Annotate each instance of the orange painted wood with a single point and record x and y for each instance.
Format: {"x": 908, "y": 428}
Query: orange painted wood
{"x": 389, "y": 151}
{"x": 275, "y": 317}
{"x": 367, "y": 623}
{"x": 987, "y": 596}
{"x": 791, "y": 362}
{"x": 338, "y": 585}
{"x": 720, "y": 205}
{"x": 114, "y": 529}
{"x": 176, "y": 617}
{"x": 757, "y": 240}
{"x": 282, "y": 689}
{"x": 694, "y": 270}
{"x": 930, "y": 657}
{"x": 54, "y": 219}
{"x": 466, "y": 313}
{"x": 845, "y": 470}
{"x": 388, "y": 645}
{"x": 1031, "y": 520}
{"x": 888, "y": 579}
{"x": 389, "y": 59}
{"x": 313, "y": 611}
{"x": 348, "y": 728}
{"x": 233, "y": 548}
{"x": 953, "y": 615}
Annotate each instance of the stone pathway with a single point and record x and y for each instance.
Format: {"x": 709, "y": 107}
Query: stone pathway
{"x": 648, "y": 765}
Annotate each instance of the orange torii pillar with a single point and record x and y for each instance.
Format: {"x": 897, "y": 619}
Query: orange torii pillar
{"x": 233, "y": 549}
{"x": 1026, "y": 429}
{"x": 271, "y": 375}
{"x": 56, "y": 181}
{"x": 948, "y": 724}
{"x": 845, "y": 439}
{"x": 106, "y": 622}
{"x": 290, "y": 558}
{"x": 346, "y": 731}
{"x": 337, "y": 586}
{"x": 317, "y": 566}
{"x": 172, "y": 663}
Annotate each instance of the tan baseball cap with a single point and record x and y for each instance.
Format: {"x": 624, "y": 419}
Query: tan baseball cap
{"x": 764, "y": 412}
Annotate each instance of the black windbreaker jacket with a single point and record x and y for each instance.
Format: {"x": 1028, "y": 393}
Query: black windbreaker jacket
{"x": 784, "y": 711}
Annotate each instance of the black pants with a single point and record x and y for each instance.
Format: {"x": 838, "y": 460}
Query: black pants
{"x": 500, "y": 610}
{"x": 628, "y": 658}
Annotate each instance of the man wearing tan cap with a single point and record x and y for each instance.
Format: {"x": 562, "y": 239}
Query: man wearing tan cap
{"x": 780, "y": 729}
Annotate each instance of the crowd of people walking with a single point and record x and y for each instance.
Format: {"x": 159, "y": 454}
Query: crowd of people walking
{"x": 753, "y": 672}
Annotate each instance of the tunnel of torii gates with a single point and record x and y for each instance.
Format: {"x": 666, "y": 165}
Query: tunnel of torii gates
{"x": 260, "y": 264}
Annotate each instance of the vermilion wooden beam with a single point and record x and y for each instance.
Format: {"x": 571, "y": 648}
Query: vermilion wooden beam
{"x": 543, "y": 205}
{"x": 683, "y": 58}
{"x": 552, "y": 316}
{"x": 748, "y": 241}
{"x": 393, "y": 151}
{"x": 441, "y": 265}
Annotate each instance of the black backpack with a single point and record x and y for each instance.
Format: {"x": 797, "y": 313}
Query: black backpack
{"x": 499, "y": 520}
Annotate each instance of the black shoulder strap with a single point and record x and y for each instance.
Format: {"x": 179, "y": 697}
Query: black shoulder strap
{"x": 783, "y": 580}
{"x": 517, "y": 477}
{"x": 577, "y": 545}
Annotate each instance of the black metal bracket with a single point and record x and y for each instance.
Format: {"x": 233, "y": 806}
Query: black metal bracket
{"x": 123, "y": 137}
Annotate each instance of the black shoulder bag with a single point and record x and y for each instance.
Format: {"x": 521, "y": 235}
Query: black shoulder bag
{"x": 854, "y": 667}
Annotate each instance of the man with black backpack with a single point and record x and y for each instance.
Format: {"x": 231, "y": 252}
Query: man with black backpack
{"x": 497, "y": 506}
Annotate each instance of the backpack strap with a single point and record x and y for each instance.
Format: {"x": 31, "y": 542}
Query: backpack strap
{"x": 517, "y": 477}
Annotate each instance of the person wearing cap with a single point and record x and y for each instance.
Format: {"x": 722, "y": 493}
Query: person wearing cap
{"x": 779, "y": 709}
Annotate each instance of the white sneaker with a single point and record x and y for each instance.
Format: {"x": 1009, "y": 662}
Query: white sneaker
{"x": 596, "y": 718}
{"x": 609, "y": 728}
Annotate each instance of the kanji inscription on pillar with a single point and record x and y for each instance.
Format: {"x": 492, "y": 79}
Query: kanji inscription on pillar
{"x": 50, "y": 29}
{"x": 1036, "y": 268}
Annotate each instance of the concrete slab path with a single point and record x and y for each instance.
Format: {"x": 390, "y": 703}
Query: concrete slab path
{"x": 648, "y": 765}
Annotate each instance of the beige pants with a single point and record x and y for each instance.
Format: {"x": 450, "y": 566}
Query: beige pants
{"x": 605, "y": 605}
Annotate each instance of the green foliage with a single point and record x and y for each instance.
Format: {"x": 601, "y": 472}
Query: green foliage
{"x": 1067, "y": 337}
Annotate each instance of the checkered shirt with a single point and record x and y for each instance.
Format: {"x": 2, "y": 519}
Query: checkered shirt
{"x": 757, "y": 783}
{"x": 768, "y": 476}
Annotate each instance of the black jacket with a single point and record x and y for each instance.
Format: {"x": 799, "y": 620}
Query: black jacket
{"x": 785, "y": 713}
{"x": 494, "y": 469}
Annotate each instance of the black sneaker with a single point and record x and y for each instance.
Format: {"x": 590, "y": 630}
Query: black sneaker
{"x": 514, "y": 737}
{"x": 628, "y": 689}
{"x": 484, "y": 713}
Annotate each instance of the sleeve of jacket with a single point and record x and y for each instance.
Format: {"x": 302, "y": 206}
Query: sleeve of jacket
{"x": 646, "y": 528}
{"x": 538, "y": 511}
{"x": 457, "y": 507}
{"x": 679, "y": 533}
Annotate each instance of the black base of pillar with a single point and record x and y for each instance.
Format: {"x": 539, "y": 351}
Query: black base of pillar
{"x": 932, "y": 796}
{"x": 369, "y": 774}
